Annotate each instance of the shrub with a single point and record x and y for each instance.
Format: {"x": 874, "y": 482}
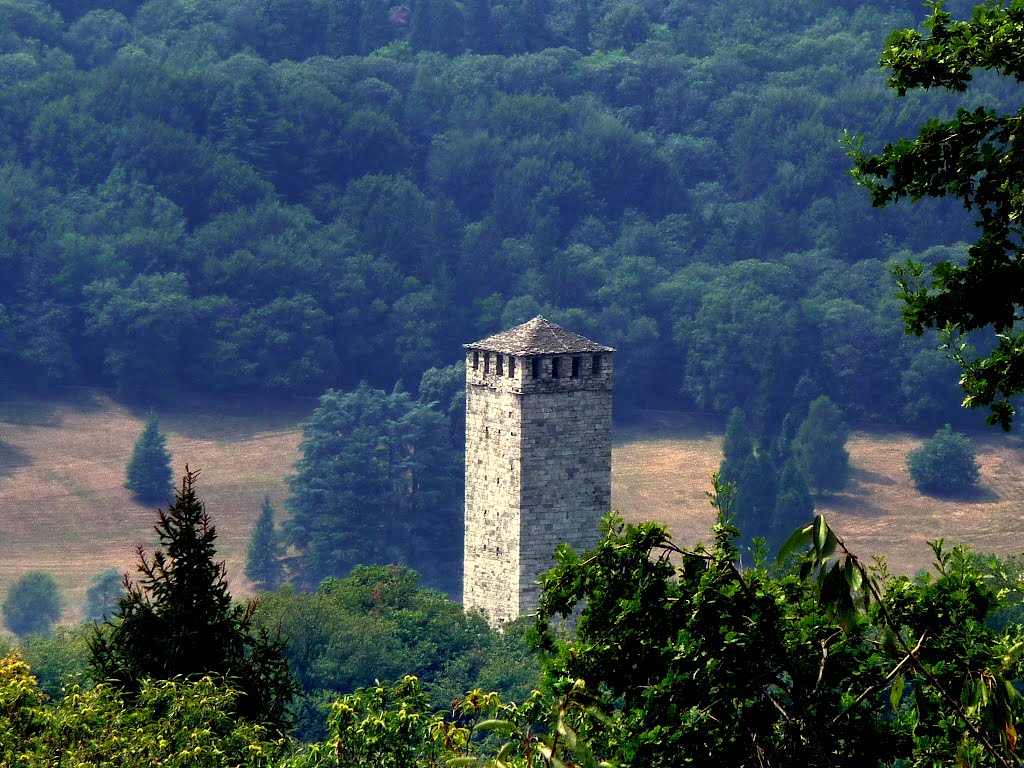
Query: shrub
{"x": 944, "y": 463}
{"x": 33, "y": 604}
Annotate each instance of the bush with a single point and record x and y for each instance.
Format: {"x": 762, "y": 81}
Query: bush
{"x": 944, "y": 463}
{"x": 33, "y": 604}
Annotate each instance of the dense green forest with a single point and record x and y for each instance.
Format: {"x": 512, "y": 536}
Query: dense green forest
{"x": 237, "y": 196}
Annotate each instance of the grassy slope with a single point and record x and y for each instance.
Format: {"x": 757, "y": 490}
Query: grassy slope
{"x": 662, "y": 468}
{"x": 62, "y": 507}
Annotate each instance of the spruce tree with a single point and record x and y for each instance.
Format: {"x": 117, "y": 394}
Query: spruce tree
{"x": 149, "y": 475}
{"x": 264, "y": 567}
{"x": 737, "y": 446}
{"x": 178, "y": 620}
{"x": 793, "y": 503}
{"x": 820, "y": 447}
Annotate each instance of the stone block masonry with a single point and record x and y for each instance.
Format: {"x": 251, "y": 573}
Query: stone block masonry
{"x": 538, "y": 459}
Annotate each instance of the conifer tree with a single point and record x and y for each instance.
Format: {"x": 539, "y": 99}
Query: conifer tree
{"x": 793, "y": 503}
{"x": 264, "y": 567}
{"x": 178, "y": 620}
{"x": 737, "y": 446}
{"x": 149, "y": 475}
{"x": 820, "y": 447}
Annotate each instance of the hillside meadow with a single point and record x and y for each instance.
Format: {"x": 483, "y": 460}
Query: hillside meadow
{"x": 63, "y": 508}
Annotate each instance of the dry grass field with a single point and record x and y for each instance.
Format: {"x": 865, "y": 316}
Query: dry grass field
{"x": 662, "y": 464}
{"x": 63, "y": 507}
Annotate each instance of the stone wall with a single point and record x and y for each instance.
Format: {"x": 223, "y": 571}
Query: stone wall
{"x": 538, "y": 471}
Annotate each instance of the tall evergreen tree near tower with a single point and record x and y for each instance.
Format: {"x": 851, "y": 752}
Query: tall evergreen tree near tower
{"x": 178, "y": 620}
{"x": 149, "y": 475}
{"x": 264, "y": 567}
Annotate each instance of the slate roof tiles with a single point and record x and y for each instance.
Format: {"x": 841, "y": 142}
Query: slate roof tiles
{"x": 538, "y": 337}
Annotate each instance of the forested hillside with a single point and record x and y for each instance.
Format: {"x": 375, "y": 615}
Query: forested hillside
{"x": 237, "y": 196}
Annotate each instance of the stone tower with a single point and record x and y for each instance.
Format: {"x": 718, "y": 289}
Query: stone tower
{"x": 538, "y": 459}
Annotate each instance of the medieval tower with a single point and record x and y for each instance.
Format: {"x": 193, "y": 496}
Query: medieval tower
{"x": 538, "y": 459}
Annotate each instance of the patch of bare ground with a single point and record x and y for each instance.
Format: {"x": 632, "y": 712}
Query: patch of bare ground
{"x": 661, "y": 470}
{"x": 63, "y": 507}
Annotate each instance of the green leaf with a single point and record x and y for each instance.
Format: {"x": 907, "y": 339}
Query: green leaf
{"x": 896, "y": 692}
{"x": 457, "y": 761}
{"x": 501, "y": 726}
{"x": 820, "y": 534}
{"x": 854, "y": 578}
{"x": 798, "y": 539}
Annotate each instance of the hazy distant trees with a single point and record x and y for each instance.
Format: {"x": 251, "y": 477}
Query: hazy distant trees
{"x": 773, "y": 472}
{"x": 298, "y": 195}
{"x": 33, "y": 603}
{"x": 263, "y": 565}
{"x": 149, "y": 475}
{"x": 945, "y": 463}
{"x": 819, "y": 447}
{"x": 101, "y": 597}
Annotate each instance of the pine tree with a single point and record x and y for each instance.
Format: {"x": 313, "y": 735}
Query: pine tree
{"x": 178, "y": 620}
{"x": 793, "y": 504}
{"x": 820, "y": 447}
{"x": 737, "y": 446}
{"x": 263, "y": 566}
{"x": 149, "y": 475}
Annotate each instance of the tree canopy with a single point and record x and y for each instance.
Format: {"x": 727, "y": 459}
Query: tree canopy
{"x": 241, "y": 199}
{"x": 975, "y": 156}
{"x": 377, "y": 482}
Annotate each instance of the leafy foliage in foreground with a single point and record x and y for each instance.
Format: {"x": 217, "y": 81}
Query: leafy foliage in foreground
{"x": 678, "y": 654}
{"x": 168, "y": 723}
{"x": 975, "y": 156}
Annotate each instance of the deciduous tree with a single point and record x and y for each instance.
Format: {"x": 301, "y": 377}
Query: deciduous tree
{"x": 945, "y": 463}
{"x": 975, "y": 156}
{"x": 33, "y": 604}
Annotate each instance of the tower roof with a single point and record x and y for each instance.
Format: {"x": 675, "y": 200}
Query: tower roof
{"x": 538, "y": 337}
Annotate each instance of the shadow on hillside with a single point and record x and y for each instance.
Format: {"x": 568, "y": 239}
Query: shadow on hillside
{"x": 29, "y": 413}
{"x": 227, "y": 420}
{"x": 12, "y": 458}
{"x": 45, "y": 411}
{"x": 978, "y": 495}
{"x": 850, "y": 505}
{"x": 650, "y": 424}
{"x": 860, "y": 478}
